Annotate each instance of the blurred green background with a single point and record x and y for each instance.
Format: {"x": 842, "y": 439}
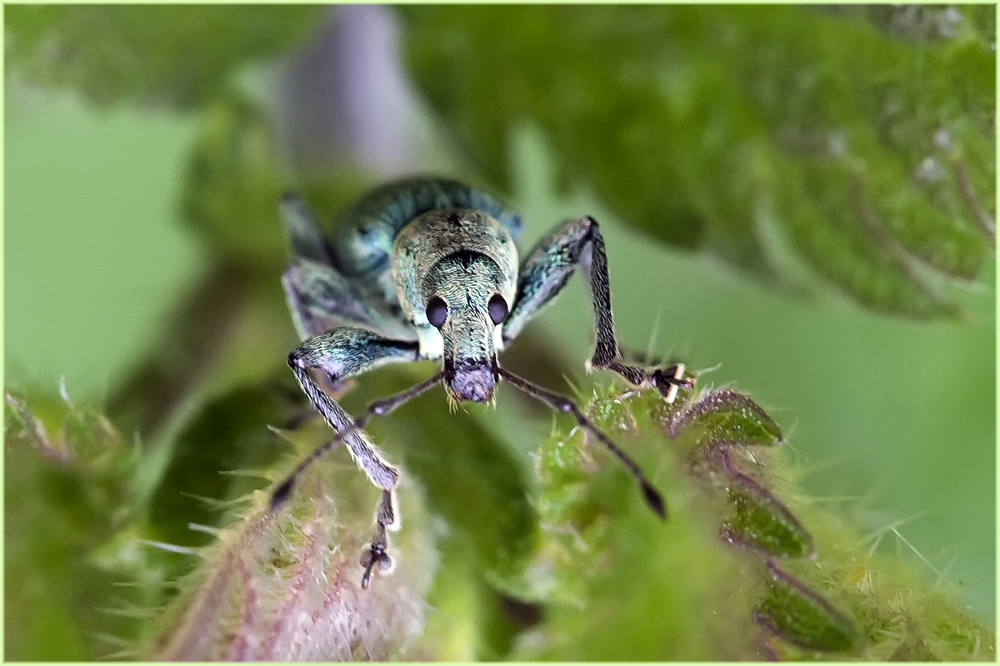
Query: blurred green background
{"x": 893, "y": 418}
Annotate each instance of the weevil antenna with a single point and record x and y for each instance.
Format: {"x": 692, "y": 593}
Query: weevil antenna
{"x": 376, "y": 408}
{"x": 561, "y": 403}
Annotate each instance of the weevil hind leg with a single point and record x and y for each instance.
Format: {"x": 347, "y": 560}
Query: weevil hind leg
{"x": 543, "y": 275}
{"x": 320, "y": 298}
{"x": 319, "y": 295}
{"x": 303, "y": 230}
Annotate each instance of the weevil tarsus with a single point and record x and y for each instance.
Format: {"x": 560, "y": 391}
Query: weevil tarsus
{"x": 427, "y": 269}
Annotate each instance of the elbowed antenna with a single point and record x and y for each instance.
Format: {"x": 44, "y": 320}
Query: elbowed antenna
{"x": 376, "y": 408}
{"x": 563, "y": 404}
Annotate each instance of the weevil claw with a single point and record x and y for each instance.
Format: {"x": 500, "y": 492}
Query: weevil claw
{"x": 375, "y": 555}
{"x": 655, "y": 500}
{"x": 668, "y": 381}
{"x": 366, "y": 579}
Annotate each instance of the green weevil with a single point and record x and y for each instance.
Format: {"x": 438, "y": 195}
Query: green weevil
{"x": 426, "y": 269}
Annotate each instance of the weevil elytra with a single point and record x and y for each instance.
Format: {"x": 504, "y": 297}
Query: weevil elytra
{"x": 427, "y": 269}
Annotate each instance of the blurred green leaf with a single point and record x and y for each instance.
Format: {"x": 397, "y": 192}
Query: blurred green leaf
{"x": 706, "y": 127}
{"x": 234, "y": 184}
{"x": 214, "y": 459}
{"x": 69, "y": 481}
{"x": 179, "y": 55}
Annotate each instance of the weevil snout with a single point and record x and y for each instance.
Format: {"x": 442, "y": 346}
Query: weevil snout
{"x": 473, "y": 381}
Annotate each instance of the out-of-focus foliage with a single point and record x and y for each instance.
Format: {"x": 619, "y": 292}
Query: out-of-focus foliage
{"x": 598, "y": 578}
{"x": 71, "y": 505}
{"x": 233, "y": 181}
{"x": 867, "y": 138}
{"x": 180, "y": 55}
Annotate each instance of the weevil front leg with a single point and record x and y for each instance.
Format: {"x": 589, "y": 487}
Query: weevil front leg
{"x": 377, "y": 553}
{"x": 341, "y": 353}
{"x": 546, "y": 271}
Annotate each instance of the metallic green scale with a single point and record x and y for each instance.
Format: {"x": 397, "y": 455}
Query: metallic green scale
{"x": 426, "y": 268}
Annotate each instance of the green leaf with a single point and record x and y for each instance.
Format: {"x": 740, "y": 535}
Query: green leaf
{"x": 617, "y": 584}
{"x": 725, "y": 416}
{"x": 798, "y": 615}
{"x": 68, "y": 493}
{"x": 706, "y": 127}
{"x": 214, "y": 460}
{"x": 760, "y": 520}
{"x": 179, "y": 55}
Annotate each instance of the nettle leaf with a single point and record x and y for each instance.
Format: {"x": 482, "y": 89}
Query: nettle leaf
{"x": 802, "y": 617}
{"x": 172, "y": 54}
{"x": 761, "y": 521}
{"x": 70, "y": 481}
{"x": 864, "y": 137}
{"x": 725, "y": 415}
{"x": 285, "y": 586}
{"x": 711, "y": 572}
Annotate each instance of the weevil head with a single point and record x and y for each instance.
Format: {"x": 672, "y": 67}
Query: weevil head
{"x": 455, "y": 272}
{"x": 465, "y": 302}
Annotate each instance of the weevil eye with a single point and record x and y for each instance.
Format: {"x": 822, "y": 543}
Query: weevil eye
{"x": 437, "y": 311}
{"x": 498, "y": 309}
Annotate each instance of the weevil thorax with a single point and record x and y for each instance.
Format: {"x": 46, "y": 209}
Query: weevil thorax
{"x": 457, "y": 262}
